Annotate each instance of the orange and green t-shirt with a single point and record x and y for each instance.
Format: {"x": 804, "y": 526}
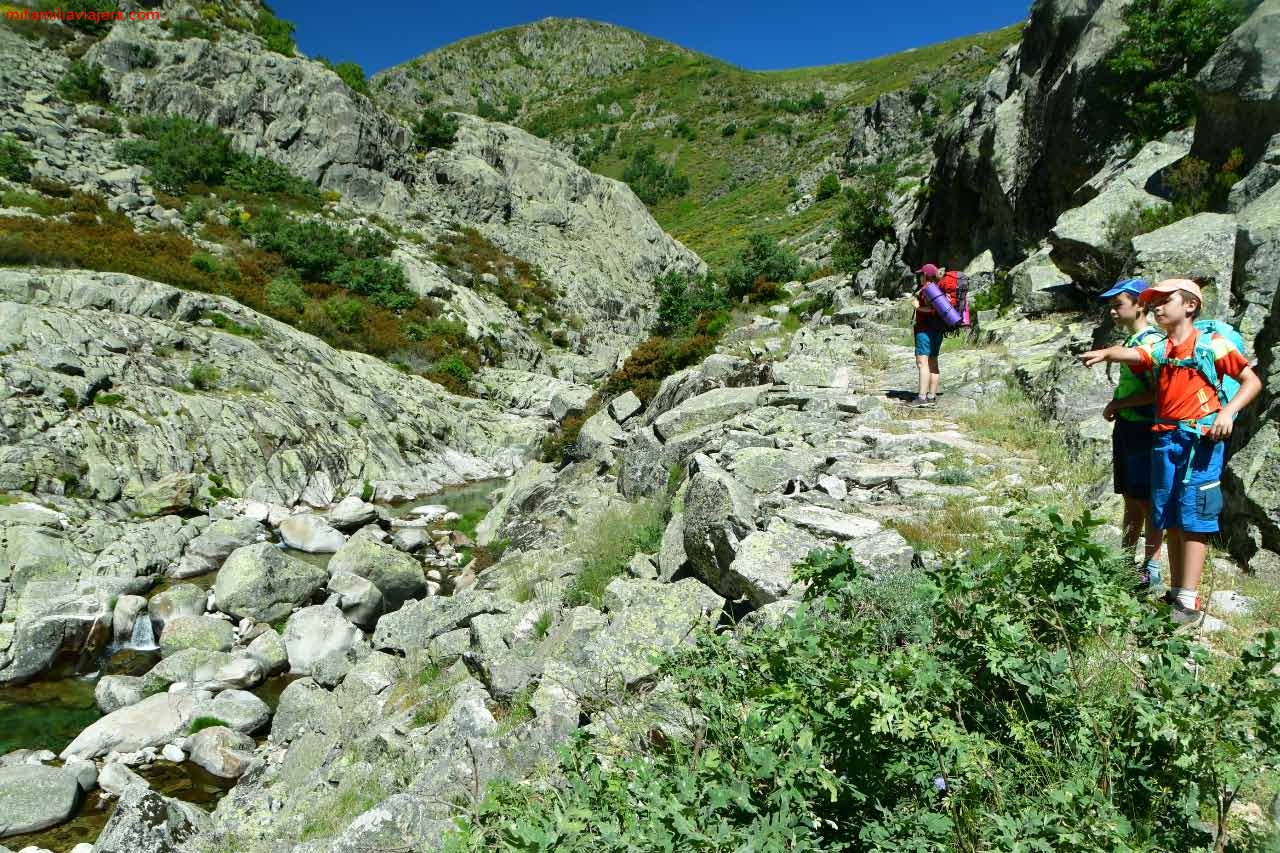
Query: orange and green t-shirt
{"x": 1182, "y": 394}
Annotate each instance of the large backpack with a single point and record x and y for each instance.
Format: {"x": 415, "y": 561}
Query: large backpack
{"x": 961, "y": 282}
{"x": 1204, "y": 362}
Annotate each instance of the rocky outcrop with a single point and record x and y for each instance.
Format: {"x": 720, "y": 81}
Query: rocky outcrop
{"x": 1238, "y": 91}
{"x": 1014, "y": 159}
{"x": 264, "y": 583}
{"x": 148, "y": 822}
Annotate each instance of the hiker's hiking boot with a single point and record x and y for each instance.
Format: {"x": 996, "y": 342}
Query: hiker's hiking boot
{"x": 919, "y": 402}
{"x": 1183, "y": 615}
{"x": 1179, "y": 612}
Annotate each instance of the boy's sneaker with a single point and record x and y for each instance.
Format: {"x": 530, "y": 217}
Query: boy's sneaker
{"x": 1183, "y": 615}
{"x": 920, "y": 402}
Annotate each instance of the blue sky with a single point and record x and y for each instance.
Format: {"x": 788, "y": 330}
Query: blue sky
{"x": 757, "y": 34}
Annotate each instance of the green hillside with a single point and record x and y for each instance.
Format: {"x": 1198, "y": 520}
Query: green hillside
{"x": 742, "y": 139}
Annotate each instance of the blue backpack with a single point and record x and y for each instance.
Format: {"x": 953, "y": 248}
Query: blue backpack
{"x": 1203, "y": 360}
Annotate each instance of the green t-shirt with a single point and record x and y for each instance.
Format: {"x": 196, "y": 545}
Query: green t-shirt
{"x": 1130, "y": 384}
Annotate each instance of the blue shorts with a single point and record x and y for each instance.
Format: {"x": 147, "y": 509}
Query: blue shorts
{"x": 929, "y": 343}
{"x": 1193, "y": 506}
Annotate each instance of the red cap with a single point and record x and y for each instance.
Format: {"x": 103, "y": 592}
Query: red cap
{"x": 929, "y": 270}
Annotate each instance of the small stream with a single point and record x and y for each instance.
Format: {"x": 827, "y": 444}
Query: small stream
{"x": 50, "y": 714}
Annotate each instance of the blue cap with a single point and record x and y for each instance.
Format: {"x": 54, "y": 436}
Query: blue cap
{"x": 1128, "y": 285}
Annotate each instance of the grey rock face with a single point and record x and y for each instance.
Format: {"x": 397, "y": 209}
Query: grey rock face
{"x": 34, "y": 797}
{"x": 181, "y": 599}
{"x": 265, "y": 583}
{"x": 360, "y": 600}
{"x": 147, "y": 822}
{"x": 707, "y": 408}
{"x": 1039, "y": 286}
{"x": 1202, "y": 247}
{"x": 1238, "y": 91}
{"x": 239, "y": 709}
{"x": 1012, "y": 161}
{"x": 761, "y": 569}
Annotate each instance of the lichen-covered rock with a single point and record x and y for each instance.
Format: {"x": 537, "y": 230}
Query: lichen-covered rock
{"x": 196, "y": 632}
{"x": 314, "y": 632}
{"x": 398, "y": 576}
{"x": 206, "y": 552}
{"x": 152, "y": 722}
{"x": 1039, "y": 286}
{"x": 147, "y": 822}
{"x": 311, "y": 533}
{"x": 269, "y": 650}
{"x": 417, "y": 623}
{"x": 35, "y": 797}
{"x": 710, "y": 407}
{"x": 762, "y": 567}
{"x": 718, "y": 515}
{"x": 1201, "y": 247}
{"x": 182, "y": 599}
{"x": 222, "y": 751}
{"x": 351, "y": 512}
{"x": 263, "y": 582}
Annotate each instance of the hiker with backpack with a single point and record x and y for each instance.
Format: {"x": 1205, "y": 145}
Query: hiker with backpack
{"x": 1202, "y": 381}
{"x": 938, "y": 309}
{"x": 1132, "y": 411}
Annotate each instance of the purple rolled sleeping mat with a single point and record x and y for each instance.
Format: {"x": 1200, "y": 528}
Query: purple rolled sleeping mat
{"x": 941, "y": 304}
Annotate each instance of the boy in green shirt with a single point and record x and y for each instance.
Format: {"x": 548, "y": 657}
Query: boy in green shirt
{"x": 1132, "y": 411}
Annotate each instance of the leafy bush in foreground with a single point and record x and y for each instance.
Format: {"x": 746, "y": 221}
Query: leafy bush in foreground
{"x": 1019, "y": 700}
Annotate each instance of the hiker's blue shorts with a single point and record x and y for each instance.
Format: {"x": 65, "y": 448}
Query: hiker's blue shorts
{"x": 1193, "y": 506}
{"x": 929, "y": 343}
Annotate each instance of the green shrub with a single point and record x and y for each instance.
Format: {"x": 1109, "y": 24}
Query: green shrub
{"x": 434, "y": 129}
{"x": 827, "y": 187}
{"x": 98, "y": 17}
{"x": 51, "y": 187}
{"x": 83, "y": 83}
{"x": 683, "y": 298}
{"x": 1154, "y": 63}
{"x": 178, "y": 151}
{"x": 763, "y": 259}
{"x": 285, "y": 293}
{"x": 457, "y": 368}
{"x": 201, "y": 723}
{"x": 866, "y": 219}
{"x": 729, "y": 129}
{"x": 350, "y": 72}
{"x": 314, "y": 248}
{"x": 15, "y": 160}
{"x": 275, "y": 32}
{"x": 383, "y": 282}
{"x": 1020, "y": 698}
{"x": 652, "y": 180}
{"x": 107, "y": 124}
{"x": 255, "y": 174}
{"x": 108, "y": 399}
{"x": 347, "y": 314}
{"x": 608, "y": 543}
{"x": 190, "y": 28}
{"x": 203, "y": 377}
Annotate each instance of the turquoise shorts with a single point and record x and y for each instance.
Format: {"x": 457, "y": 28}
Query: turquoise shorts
{"x": 1193, "y": 506}
{"x": 929, "y": 343}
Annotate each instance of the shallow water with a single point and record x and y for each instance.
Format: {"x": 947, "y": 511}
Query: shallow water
{"x": 50, "y": 714}
{"x": 46, "y": 714}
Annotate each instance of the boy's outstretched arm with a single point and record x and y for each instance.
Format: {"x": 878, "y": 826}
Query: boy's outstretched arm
{"x": 1116, "y": 355}
{"x": 1250, "y": 387}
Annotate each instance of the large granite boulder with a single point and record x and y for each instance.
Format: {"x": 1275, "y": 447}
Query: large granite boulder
{"x": 315, "y": 632}
{"x": 148, "y": 822}
{"x": 718, "y": 516}
{"x": 35, "y": 797}
{"x": 263, "y": 582}
{"x": 398, "y": 576}
{"x": 152, "y": 722}
{"x": 206, "y": 552}
{"x": 197, "y": 632}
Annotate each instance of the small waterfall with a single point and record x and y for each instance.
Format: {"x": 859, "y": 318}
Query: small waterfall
{"x": 143, "y": 638}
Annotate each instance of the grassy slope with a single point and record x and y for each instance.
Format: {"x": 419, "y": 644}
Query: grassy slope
{"x": 739, "y": 181}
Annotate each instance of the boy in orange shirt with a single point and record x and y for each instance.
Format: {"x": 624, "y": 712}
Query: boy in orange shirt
{"x": 1191, "y": 429}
